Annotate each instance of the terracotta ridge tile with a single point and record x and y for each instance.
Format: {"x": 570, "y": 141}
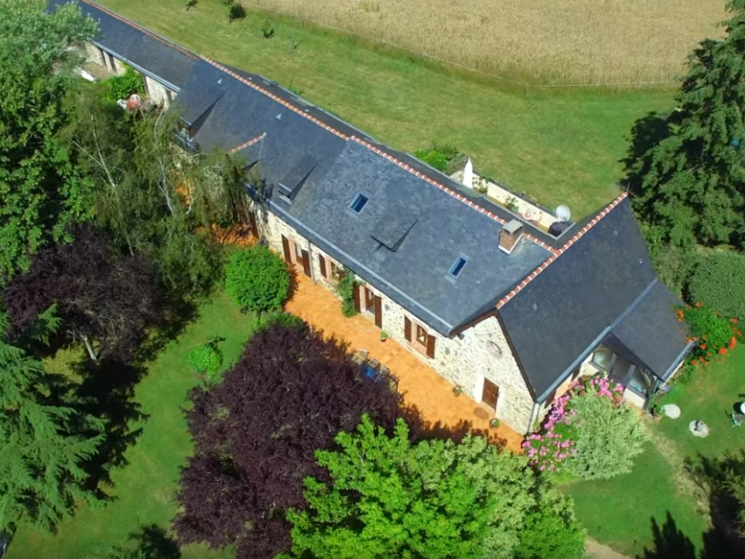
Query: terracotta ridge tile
{"x": 560, "y": 251}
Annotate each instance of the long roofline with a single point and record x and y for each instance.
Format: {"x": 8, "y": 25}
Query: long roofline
{"x": 558, "y": 252}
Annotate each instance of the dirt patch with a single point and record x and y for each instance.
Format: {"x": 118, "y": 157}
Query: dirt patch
{"x": 596, "y": 550}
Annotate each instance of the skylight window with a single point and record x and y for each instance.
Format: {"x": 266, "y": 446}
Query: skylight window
{"x": 457, "y": 267}
{"x": 359, "y": 203}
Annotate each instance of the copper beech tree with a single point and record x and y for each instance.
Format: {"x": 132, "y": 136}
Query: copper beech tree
{"x": 256, "y": 436}
{"x": 105, "y": 301}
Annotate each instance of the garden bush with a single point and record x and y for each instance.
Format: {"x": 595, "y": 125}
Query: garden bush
{"x": 713, "y": 334}
{"x": 444, "y": 158}
{"x": 256, "y": 279}
{"x": 206, "y": 359}
{"x": 719, "y": 283}
{"x": 121, "y": 87}
{"x": 589, "y": 432}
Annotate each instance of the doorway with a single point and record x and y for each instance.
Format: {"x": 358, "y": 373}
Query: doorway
{"x": 372, "y": 305}
{"x": 490, "y": 394}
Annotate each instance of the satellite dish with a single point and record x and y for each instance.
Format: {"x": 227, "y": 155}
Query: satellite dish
{"x": 563, "y": 213}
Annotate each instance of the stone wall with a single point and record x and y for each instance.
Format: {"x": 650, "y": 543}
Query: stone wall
{"x": 481, "y": 352}
{"x": 156, "y": 91}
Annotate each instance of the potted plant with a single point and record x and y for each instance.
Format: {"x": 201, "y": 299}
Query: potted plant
{"x": 383, "y": 336}
{"x": 494, "y": 423}
{"x": 458, "y": 390}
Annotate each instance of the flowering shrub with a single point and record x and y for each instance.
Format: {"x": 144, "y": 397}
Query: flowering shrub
{"x": 589, "y": 432}
{"x": 714, "y": 335}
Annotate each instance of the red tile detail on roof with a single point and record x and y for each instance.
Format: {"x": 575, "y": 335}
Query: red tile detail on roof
{"x": 150, "y": 34}
{"x": 561, "y": 251}
{"x": 304, "y": 114}
{"x": 250, "y": 142}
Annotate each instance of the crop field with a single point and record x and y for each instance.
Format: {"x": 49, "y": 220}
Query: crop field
{"x": 536, "y": 41}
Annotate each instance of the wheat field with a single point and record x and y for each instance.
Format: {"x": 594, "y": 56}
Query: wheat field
{"x": 539, "y": 41}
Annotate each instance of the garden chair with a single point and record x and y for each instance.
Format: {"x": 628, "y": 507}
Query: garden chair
{"x": 736, "y": 419}
{"x": 374, "y": 364}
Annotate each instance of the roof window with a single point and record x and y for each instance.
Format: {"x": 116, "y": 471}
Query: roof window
{"x": 359, "y": 202}
{"x": 457, "y": 266}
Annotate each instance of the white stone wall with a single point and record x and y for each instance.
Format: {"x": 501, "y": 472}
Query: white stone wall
{"x": 94, "y": 55}
{"x": 482, "y": 353}
{"x": 156, "y": 91}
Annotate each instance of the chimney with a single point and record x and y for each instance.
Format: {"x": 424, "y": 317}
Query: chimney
{"x": 468, "y": 174}
{"x": 510, "y": 235}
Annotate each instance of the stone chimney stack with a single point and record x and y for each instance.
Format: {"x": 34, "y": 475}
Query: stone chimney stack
{"x": 510, "y": 235}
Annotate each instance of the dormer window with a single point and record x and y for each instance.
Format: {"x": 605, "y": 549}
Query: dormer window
{"x": 457, "y": 266}
{"x": 359, "y": 203}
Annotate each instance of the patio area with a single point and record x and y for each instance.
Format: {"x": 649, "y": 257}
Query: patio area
{"x": 420, "y": 385}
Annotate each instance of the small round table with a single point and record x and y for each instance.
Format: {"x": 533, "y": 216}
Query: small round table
{"x": 699, "y": 428}
{"x": 671, "y": 410}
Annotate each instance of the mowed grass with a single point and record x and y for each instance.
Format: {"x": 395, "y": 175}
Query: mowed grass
{"x": 144, "y": 490}
{"x": 710, "y": 396}
{"x": 557, "y": 148}
{"x": 571, "y": 41}
{"x": 619, "y": 512}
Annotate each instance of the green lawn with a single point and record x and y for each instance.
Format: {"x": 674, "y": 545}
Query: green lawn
{"x": 144, "y": 490}
{"x": 618, "y": 512}
{"x": 556, "y": 147}
{"x": 710, "y": 397}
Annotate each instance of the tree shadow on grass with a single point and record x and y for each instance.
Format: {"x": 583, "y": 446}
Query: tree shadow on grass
{"x": 645, "y": 134}
{"x": 107, "y": 392}
{"x": 154, "y": 543}
{"x": 671, "y": 543}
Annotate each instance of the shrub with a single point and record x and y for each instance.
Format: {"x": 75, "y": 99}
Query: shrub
{"x": 589, "y": 432}
{"x": 236, "y": 12}
{"x": 345, "y": 289}
{"x": 257, "y": 279}
{"x": 609, "y": 437}
{"x": 206, "y": 358}
{"x": 714, "y": 335}
{"x": 444, "y": 158}
{"x": 121, "y": 87}
{"x": 719, "y": 283}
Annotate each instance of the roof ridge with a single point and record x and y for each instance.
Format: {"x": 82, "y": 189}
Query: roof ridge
{"x": 444, "y": 188}
{"x": 144, "y": 30}
{"x": 249, "y": 143}
{"x": 303, "y": 113}
{"x": 558, "y": 252}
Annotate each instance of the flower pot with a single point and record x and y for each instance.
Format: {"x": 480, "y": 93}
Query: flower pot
{"x": 458, "y": 390}
{"x": 494, "y": 423}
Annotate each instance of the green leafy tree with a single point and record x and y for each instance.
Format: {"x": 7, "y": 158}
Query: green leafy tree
{"x": 45, "y": 440}
{"x": 608, "y": 436}
{"x": 257, "y": 279}
{"x": 153, "y": 196}
{"x": 719, "y": 283}
{"x": 387, "y": 497}
{"x": 691, "y": 184}
{"x": 41, "y": 191}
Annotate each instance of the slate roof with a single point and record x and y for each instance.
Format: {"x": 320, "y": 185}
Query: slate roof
{"x": 652, "y": 332}
{"x": 557, "y": 298}
{"x": 162, "y": 59}
{"x": 584, "y": 295}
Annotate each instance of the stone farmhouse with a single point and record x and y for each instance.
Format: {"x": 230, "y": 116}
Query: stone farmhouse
{"x": 489, "y": 299}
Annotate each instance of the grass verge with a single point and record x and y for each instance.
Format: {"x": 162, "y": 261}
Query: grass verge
{"x": 555, "y": 147}
{"x": 620, "y": 512}
{"x": 144, "y": 490}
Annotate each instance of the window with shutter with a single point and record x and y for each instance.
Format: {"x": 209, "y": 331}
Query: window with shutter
{"x": 407, "y": 329}
{"x": 322, "y": 264}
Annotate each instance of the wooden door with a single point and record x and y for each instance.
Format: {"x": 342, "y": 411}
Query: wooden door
{"x": 378, "y": 312}
{"x": 490, "y": 394}
{"x": 306, "y": 262}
